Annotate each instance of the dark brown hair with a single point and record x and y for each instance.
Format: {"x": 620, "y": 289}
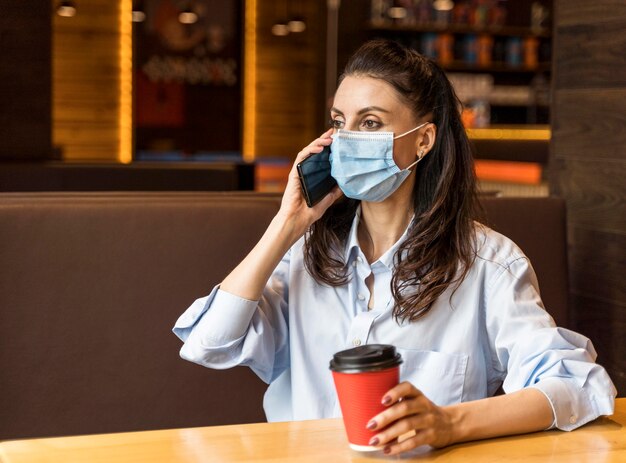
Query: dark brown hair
{"x": 439, "y": 248}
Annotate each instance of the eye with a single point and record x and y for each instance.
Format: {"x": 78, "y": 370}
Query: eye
{"x": 336, "y": 123}
{"x": 370, "y": 124}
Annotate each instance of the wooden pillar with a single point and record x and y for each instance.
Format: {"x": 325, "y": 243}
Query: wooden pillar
{"x": 284, "y": 88}
{"x": 89, "y": 88}
{"x": 588, "y": 168}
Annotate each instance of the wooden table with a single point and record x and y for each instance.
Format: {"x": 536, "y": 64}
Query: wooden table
{"x": 315, "y": 441}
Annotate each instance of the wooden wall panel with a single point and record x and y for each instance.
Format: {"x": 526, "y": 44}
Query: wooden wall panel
{"x": 290, "y": 81}
{"x": 25, "y": 82}
{"x": 86, "y": 82}
{"x": 603, "y": 322}
{"x": 588, "y": 167}
{"x": 592, "y": 116}
{"x": 598, "y": 271}
{"x": 589, "y": 55}
{"x": 594, "y": 190}
{"x": 577, "y": 12}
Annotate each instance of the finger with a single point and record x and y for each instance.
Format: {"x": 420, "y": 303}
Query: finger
{"x": 394, "y": 431}
{"x": 403, "y": 390}
{"x": 399, "y": 400}
{"x": 405, "y": 427}
{"x": 328, "y": 133}
{"x": 316, "y": 146}
{"x": 409, "y": 443}
{"x": 419, "y": 405}
{"x": 323, "y": 140}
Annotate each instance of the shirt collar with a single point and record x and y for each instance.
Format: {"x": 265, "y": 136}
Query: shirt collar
{"x": 353, "y": 249}
{"x": 352, "y": 244}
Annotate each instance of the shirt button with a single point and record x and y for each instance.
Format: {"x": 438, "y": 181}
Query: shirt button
{"x": 359, "y": 259}
{"x": 354, "y": 263}
{"x": 360, "y": 297}
{"x": 572, "y": 419}
{"x": 356, "y": 342}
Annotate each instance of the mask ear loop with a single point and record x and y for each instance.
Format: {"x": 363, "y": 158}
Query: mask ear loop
{"x": 412, "y": 130}
{"x": 420, "y": 156}
{"x": 415, "y": 163}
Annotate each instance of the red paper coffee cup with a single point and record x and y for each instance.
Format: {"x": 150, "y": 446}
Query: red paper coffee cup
{"x": 362, "y": 376}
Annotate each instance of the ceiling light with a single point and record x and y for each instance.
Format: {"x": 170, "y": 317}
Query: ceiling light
{"x": 280, "y": 29}
{"x": 443, "y": 5}
{"x": 296, "y": 25}
{"x": 396, "y": 12}
{"x": 187, "y": 16}
{"x": 66, "y": 9}
{"x": 139, "y": 16}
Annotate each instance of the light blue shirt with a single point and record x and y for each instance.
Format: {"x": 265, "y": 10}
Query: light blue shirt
{"x": 492, "y": 331}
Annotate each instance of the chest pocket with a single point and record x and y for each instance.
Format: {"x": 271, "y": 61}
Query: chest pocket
{"x": 438, "y": 375}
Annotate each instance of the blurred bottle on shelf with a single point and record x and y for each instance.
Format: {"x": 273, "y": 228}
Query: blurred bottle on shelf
{"x": 513, "y": 51}
{"x": 531, "y": 47}
{"x": 497, "y": 14}
{"x": 480, "y": 13}
{"x": 485, "y": 49}
{"x": 429, "y": 45}
{"x": 445, "y": 46}
{"x": 423, "y": 11}
{"x": 443, "y": 12}
{"x": 461, "y": 12}
{"x": 539, "y": 15}
{"x": 473, "y": 90}
{"x": 540, "y": 90}
{"x": 470, "y": 50}
{"x": 378, "y": 11}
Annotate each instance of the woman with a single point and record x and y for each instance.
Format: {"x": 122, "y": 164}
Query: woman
{"x": 398, "y": 260}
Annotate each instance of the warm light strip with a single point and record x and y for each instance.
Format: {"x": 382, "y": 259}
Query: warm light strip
{"x": 249, "y": 81}
{"x": 509, "y": 134}
{"x": 125, "y": 122}
{"x": 508, "y": 171}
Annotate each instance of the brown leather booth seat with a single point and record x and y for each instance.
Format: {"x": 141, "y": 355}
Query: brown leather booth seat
{"x": 91, "y": 284}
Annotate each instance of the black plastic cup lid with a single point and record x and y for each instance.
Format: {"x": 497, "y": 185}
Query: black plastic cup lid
{"x": 369, "y": 357}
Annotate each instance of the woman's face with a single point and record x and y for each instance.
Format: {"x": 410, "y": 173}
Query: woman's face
{"x": 370, "y": 105}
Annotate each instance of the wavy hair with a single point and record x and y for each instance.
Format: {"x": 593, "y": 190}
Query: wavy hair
{"x": 439, "y": 247}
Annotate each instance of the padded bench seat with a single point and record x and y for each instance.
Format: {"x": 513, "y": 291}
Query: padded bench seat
{"x": 92, "y": 283}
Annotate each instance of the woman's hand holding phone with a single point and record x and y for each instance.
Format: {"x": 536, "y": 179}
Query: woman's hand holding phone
{"x": 298, "y": 216}
{"x": 249, "y": 278}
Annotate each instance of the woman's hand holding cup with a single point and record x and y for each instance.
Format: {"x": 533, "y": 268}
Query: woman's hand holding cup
{"x": 410, "y": 420}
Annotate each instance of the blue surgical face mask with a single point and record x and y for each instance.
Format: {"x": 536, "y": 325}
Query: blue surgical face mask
{"x": 363, "y": 165}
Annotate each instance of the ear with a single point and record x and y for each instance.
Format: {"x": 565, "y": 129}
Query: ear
{"x": 426, "y": 140}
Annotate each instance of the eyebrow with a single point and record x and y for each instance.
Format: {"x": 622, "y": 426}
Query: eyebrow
{"x": 362, "y": 111}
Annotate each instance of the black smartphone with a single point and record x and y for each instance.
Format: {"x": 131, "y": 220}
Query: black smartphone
{"x": 315, "y": 179}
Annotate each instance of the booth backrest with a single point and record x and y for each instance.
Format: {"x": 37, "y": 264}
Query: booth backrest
{"x": 91, "y": 284}
{"x": 538, "y": 227}
{"x": 137, "y": 176}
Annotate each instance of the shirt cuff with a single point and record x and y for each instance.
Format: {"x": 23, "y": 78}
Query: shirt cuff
{"x": 570, "y": 404}
{"x": 221, "y": 317}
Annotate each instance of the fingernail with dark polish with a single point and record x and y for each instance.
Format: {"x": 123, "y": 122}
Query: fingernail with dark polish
{"x": 372, "y": 425}
{"x": 386, "y": 400}
{"x": 387, "y": 450}
{"x": 374, "y": 441}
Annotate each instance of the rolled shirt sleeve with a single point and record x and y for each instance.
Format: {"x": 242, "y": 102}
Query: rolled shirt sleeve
{"x": 535, "y": 353}
{"x": 223, "y": 330}
{"x": 228, "y": 320}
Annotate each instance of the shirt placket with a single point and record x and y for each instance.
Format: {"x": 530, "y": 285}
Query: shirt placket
{"x": 363, "y": 318}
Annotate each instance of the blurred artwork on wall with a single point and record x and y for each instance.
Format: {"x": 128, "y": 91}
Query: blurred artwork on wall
{"x": 187, "y": 59}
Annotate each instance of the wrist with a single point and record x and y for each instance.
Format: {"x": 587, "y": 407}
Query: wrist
{"x": 457, "y": 417}
{"x": 287, "y": 227}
